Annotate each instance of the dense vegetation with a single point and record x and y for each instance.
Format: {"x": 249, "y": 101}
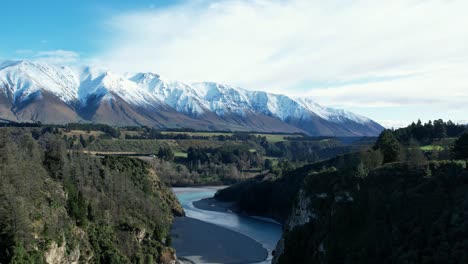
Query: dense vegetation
{"x": 274, "y": 196}
{"x": 429, "y": 132}
{"x": 396, "y": 214}
{"x": 436, "y": 139}
{"x": 400, "y": 199}
{"x": 397, "y": 202}
{"x": 210, "y": 158}
{"x": 187, "y": 157}
{"x": 460, "y": 148}
{"x": 59, "y": 203}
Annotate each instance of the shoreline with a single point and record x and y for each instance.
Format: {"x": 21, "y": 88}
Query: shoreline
{"x": 198, "y": 239}
{"x": 212, "y": 204}
{"x": 197, "y": 188}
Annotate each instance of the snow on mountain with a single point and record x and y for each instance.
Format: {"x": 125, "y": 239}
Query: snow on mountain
{"x": 331, "y": 114}
{"x": 221, "y": 98}
{"x": 26, "y": 78}
{"x": 108, "y": 83}
{"x": 22, "y": 80}
{"x": 178, "y": 95}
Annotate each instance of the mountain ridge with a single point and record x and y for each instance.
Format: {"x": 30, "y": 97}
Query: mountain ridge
{"x": 87, "y": 94}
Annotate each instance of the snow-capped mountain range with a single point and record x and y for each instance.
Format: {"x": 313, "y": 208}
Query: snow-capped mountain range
{"x": 40, "y": 91}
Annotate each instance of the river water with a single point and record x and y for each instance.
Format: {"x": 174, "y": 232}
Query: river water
{"x": 265, "y": 232}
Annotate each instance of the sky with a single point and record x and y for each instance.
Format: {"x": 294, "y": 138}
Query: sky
{"x": 393, "y": 61}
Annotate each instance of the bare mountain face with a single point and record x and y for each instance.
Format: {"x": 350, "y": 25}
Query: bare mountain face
{"x": 38, "y": 91}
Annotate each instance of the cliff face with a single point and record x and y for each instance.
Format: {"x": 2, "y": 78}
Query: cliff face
{"x": 58, "y": 205}
{"x": 395, "y": 214}
{"x": 301, "y": 215}
{"x": 58, "y": 255}
{"x": 275, "y": 197}
{"x": 309, "y": 209}
{"x": 352, "y": 209}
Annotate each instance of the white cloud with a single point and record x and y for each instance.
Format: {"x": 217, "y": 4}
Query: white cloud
{"x": 57, "y": 56}
{"x": 51, "y": 56}
{"x": 409, "y": 51}
{"x": 445, "y": 86}
{"x": 393, "y": 123}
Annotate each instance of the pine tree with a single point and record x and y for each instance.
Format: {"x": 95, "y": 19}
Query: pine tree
{"x": 389, "y": 146}
{"x": 460, "y": 149}
{"x": 83, "y": 141}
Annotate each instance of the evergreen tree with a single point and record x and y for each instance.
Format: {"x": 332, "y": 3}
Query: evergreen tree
{"x": 268, "y": 164}
{"x": 166, "y": 153}
{"x": 440, "y": 130}
{"x": 361, "y": 170}
{"x": 389, "y": 146}
{"x": 83, "y": 141}
{"x": 414, "y": 154}
{"x": 460, "y": 149}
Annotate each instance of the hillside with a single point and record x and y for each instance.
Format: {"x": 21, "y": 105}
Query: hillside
{"x": 398, "y": 202}
{"x": 39, "y": 91}
{"x": 396, "y": 214}
{"x": 63, "y": 206}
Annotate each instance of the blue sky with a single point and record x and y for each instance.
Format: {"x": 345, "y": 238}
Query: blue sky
{"x": 393, "y": 61}
{"x": 77, "y": 26}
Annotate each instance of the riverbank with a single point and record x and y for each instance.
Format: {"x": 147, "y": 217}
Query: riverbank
{"x": 212, "y": 204}
{"x": 244, "y": 231}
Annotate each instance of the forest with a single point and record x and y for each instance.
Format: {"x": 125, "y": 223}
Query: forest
{"x": 60, "y": 203}
{"x": 100, "y": 193}
{"x": 393, "y": 202}
{"x": 186, "y": 158}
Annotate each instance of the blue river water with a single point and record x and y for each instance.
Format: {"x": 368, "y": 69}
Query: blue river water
{"x": 265, "y": 232}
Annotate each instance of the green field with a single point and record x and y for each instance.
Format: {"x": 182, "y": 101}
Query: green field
{"x": 432, "y": 148}
{"x": 202, "y": 134}
{"x": 153, "y": 145}
{"x": 272, "y": 138}
{"x": 180, "y": 154}
{"x": 126, "y": 145}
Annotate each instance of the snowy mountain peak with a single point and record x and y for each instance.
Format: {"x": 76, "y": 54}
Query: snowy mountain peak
{"x": 22, "y": 80}
{"x": 332, "y": 114}
{"x": 144, "y": 77}
{"x": 25, "y": 78}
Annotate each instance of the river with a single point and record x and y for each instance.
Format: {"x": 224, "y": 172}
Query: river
{"x": 266, "y": 233}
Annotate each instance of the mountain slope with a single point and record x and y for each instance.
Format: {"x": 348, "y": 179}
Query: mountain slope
{"x": 59, "y": 205}
{"x": 38, "y": 91}
{"x": 347, "y": 210}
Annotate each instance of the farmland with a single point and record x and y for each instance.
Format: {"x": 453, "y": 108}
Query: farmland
{"x": 198, "y": 157}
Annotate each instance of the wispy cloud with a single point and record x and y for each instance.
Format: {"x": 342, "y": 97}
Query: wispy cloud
{"x": 57, "y": 56}
{"x": 51, "y": 56}
{"x": 444, "y": 85}
{"x": 367, "y": 54}
{"x": 277, "y": 45}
